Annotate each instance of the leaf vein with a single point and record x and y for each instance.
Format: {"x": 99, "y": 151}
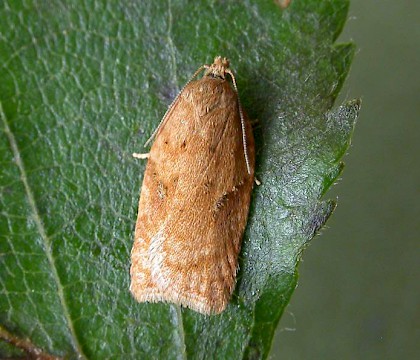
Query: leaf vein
{"x": 41, "y": 229}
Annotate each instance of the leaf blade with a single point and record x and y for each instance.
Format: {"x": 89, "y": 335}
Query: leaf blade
{"x": 82, "y": 82}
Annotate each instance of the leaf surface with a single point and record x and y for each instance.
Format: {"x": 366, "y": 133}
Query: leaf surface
{"x": 83, "y": 85}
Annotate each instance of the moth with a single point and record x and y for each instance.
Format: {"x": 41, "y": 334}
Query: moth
{"x": 195, "y": 197}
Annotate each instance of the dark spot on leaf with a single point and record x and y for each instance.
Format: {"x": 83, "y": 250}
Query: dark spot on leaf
{"x": 168, "y": 93}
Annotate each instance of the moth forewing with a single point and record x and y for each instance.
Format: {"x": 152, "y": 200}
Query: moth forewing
{"x": 195, "y": 198}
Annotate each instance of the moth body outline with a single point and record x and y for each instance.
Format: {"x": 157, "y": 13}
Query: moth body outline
{"x": 195, "y": 197}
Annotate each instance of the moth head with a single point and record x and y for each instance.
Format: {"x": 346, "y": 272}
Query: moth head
{"x": 218, "y": 68}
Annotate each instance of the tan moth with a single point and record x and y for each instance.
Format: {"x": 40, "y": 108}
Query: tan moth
{"x": 195, "y": 197}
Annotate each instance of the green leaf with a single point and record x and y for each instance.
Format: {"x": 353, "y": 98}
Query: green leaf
{"x": 83, "y": 84}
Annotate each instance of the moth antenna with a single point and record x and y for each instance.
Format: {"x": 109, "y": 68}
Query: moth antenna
{"x": 241, "y": 114}
{"x": 162, "y": 122}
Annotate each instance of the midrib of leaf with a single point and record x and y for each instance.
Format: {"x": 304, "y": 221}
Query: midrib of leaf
{"x": 179, "y": 324}
{"x": 41, "y": 229}
{"x": 171, "y": 42}
{"x": 176, "y": 309}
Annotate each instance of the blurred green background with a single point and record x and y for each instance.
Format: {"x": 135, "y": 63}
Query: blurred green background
{"x": 358, "y": 294}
